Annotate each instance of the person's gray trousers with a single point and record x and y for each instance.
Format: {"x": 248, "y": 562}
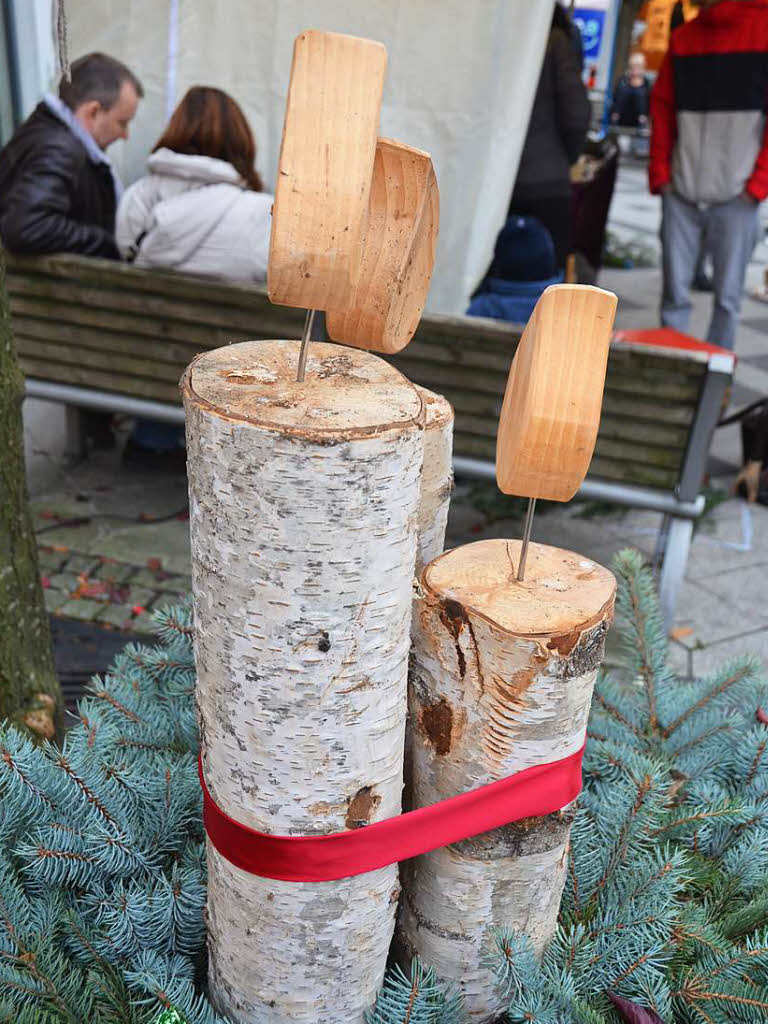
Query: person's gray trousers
{"x": 729, "y": 232}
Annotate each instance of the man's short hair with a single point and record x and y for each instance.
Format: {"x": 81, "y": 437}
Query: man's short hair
{"x": 97, "y": 77}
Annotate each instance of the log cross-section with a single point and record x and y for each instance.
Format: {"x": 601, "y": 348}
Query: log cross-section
{"x": 501, "y": 680}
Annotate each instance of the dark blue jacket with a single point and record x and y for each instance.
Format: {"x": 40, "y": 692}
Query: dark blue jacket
{"x": 509, "y": 300}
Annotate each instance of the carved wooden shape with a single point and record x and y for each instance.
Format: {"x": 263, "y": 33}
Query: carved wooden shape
{"x": 551, "y": 411}
{"x": 325, "y": 170}
{"x": 399, "y": 253}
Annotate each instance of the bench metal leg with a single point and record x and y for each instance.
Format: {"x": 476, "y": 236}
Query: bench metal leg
{"x": 673, "y": 567}
{"x": 76, "y": 448}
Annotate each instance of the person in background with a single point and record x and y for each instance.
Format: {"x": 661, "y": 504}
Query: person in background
{"x": 524, "y": 264}
{"x": 677, "y": 17}
{"x": 201, "y": 208}
{"x": 631, "y": 96}
{"x": 709, "y": 156}
{"x": 556, "y": 132}
{"x": 58, "y": 188}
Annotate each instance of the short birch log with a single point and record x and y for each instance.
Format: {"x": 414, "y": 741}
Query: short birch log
{"x": 303, "y": 510}
{"x": 436, "y": 477}
{"x": 501, "y": 679}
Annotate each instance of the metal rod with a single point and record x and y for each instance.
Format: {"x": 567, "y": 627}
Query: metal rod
{"x": 305, "y": 344}
{"x": 526, "y": 538}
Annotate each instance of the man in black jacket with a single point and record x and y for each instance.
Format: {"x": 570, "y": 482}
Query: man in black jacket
{"x": 58, "y": 189}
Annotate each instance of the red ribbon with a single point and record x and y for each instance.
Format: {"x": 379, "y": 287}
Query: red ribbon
{"x": 532, "y": 792}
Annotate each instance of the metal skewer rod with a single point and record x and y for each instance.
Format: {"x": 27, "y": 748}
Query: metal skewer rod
{"x": 305, "y": 344}
{"x": 526, "y": 538}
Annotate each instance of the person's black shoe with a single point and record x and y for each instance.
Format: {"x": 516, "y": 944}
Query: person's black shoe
{"x": 703, "y": 283}
{"x": 97, "y": 427}
{"x": 167, "y": 459}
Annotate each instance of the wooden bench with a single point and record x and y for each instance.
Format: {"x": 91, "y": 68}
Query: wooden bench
{"x": 106, "y": 335}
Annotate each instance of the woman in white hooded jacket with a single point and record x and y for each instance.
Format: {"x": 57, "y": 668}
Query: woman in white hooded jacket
{"x": 201, "y": 208}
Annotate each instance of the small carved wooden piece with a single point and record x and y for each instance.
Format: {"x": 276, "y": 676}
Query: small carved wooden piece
{"x": 551, "y": 410}
{"x": 325, "y": 169}
{"x": 398, "y": 255}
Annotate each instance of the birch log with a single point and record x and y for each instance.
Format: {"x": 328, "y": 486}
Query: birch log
{"x": 436, "y": 477}
{"x": 303, "y": 510}
{"x": 501, "y": 679}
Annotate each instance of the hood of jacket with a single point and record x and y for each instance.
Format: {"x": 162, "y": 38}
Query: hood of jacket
{"x": 198, "y": 170}
{"x": 189, "y": 197}
{"x": 501, "y": 286}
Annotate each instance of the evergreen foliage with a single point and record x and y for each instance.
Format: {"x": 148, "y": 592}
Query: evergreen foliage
{"x": 666, "y": 902}
{"x": 102, "y": 873}
{"x": 101, "y": 857}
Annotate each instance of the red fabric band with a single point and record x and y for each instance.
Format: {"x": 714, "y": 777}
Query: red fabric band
{"x": 533, "y": 792}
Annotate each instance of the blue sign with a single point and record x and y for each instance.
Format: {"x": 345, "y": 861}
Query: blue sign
{"x": 590, "y": 24}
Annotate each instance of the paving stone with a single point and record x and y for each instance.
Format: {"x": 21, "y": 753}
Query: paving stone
{"x": 82, "y": 608}
{"x": 118, "y": 615}
{"x": 680, "y": 659}
{"x": 63, "y": 581}
{"x": 739, "y": 589}
{"x": 168, "y": 542}
{"x": 144, "y": 623}
{"x": 81, "y": 564}
{"x": 712, "y": 618}
{"x": 137, "y": 596}
{"x": 714, "y": 656}
{"x": 51, "y": 561}
{"x": 53, "y": 599}
{"x": 118, "y": 572}
{"x": 165, "y": 601}
{"x": 160, "y": 580}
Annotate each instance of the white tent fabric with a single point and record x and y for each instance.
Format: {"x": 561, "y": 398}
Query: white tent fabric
{"x": 460, "y": 84}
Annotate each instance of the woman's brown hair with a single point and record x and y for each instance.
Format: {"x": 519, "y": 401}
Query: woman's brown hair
{"x": 208, "y": 122}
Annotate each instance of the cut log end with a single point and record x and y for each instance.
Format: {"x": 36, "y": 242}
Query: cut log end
{"x": 347, "y": 393}
{"x": 563, "y": 593}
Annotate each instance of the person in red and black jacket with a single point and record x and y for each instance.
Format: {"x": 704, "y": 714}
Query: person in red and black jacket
{"x": 709, "y": 155}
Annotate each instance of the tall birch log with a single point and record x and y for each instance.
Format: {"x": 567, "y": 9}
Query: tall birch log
{"x": 303, "y": 510}
{"x": 501, "y": 679}
{"x": 436, "y": 477}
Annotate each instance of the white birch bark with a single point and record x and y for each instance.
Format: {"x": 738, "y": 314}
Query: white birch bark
{"x": 304, "y": 504}
{"x": 436, "y": 477}
{"x": 501, "y": 679}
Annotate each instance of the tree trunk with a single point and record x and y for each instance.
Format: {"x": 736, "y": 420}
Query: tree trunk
{"x": 30, "y": 695}
{"x": 501, "y": 680}
{"x": 436, "y": 477}
{"x": 304, "y": 504}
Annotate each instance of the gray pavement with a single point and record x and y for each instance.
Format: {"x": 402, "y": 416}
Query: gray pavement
{"x": 128, "y": 551}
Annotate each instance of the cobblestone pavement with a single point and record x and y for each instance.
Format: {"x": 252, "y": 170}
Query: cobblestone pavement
{"x": 109, "y": 593}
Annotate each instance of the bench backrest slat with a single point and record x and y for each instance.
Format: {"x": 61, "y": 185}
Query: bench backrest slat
{"x": 113, "y": 327}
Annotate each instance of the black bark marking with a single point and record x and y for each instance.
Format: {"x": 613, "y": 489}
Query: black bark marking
{"x": 453, "y": 617}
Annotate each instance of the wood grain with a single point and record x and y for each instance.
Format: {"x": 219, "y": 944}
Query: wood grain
{"x": 398, "y": 256}
{"x": 325, "y": 170}
{"x": 551, "y": 411}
